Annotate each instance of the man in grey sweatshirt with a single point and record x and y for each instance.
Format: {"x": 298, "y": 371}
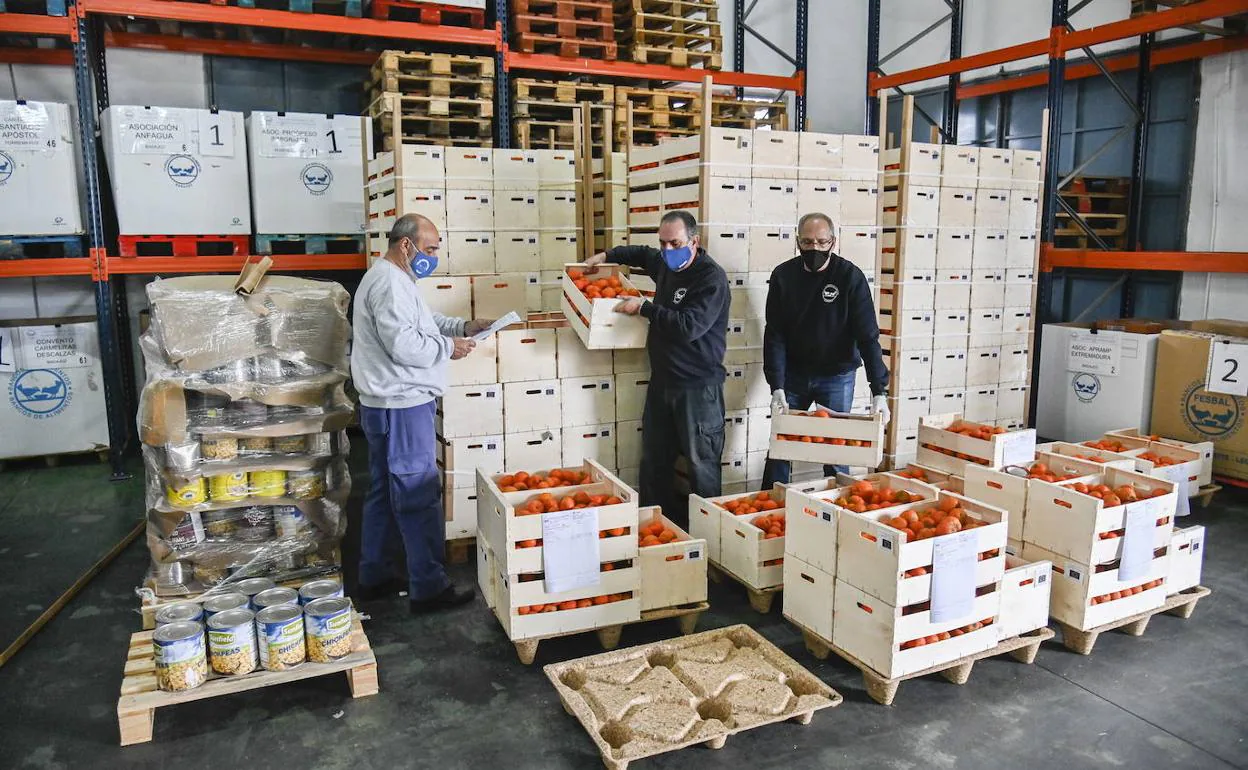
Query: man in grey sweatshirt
{"x": 398, "y": 363}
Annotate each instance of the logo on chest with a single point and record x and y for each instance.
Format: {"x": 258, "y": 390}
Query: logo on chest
{"x": 678, "y": 296}
{"x": 830, "y": 293}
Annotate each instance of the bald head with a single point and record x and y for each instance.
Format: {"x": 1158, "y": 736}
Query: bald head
{"x": 413, "y": 233}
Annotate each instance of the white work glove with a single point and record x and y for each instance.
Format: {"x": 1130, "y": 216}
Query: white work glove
{"x": 779, "y": 404}
{"x": 879, "y": 405}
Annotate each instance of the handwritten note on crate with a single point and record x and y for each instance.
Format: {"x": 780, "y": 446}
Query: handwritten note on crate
{"x": 1018, "y": 448}
{"x": 570, "y": 550}
{"x": 953, "y": 575}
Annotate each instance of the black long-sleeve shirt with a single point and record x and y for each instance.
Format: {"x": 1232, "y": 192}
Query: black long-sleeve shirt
{"x": 688, "y": 318}
{"x": 819, "y": 323}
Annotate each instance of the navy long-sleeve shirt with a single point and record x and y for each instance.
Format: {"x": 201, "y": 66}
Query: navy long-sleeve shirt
{"x": 819, "y": 323}
{"x": 688, "y": 318}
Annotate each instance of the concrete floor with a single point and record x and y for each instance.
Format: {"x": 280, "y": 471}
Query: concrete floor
{"x": 453, "y": 694}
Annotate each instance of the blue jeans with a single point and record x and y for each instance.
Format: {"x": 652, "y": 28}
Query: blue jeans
{"x": 836, "y": 392}
{"x": 404, "y": 501}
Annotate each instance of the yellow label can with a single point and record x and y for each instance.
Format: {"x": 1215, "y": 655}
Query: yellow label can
{"x": 192, "y": 493}
{"x": 227, "y": 487}
{"x": 268, "y": 483}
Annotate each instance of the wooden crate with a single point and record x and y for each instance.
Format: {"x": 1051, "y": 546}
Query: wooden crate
{"x": 1026, "y": 590}
{"x": 747, "y": 552}
{"x": 948, "y": 451}
{"x": 1007, "y": 490}
{"x": 1205, "y": 448}
{"x": 834, "y": 434}
{"x": 1077, "y": 587}
{"x": 1187, "y": 555}
{"x": 515, "y": 596}
{"x": 595, "y": 321}
{"x": 1090, "y": 454}
{"x": 136, "y": 708}
{"x": 672, "y": 574}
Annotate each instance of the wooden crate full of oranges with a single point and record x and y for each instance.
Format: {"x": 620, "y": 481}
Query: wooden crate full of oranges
{"x": 589, "y": 301}
{"x": 823, "y": 436}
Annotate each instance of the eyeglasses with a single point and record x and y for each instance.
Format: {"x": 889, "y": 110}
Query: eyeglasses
{"x": 807, "y": 243}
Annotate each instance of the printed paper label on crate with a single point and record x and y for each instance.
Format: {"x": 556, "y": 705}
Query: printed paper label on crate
{"x": 953, "y": 575}
{"x": 8, "y": 353}
{"x": 26, "y": 127}
{"x": 1099, "y": 354}
{"x": 216, "y": 135}
{"x": 1228, "y": 368}
{"x": 570, "y": 550}
{"x": 1137, "y": 543}
{"x": 1018, "y": 448}
{"x": 1177, "y": 474}
{"x": 291, "y": 136}
{"x": 154, "y": 132}
{"x": 53, "y": 347}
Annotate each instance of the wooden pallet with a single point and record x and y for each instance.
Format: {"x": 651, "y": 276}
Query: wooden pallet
{"x": 454, "y": 137}
{"x": 40, "y": 246}
{"x": 760, "y": 598}
{"x": 727, "y": 112}
{"x": 1206, "y": 494}
{"x": 554, "y": 135}
{"x": 1115, "y": 243}
{"x": 182, "y": 245}
{"x": 609, "y": 636}
{"x": 566, "y": 93}
{"x": 53, "y": 461}
{"x": 579, "y": 30}
{"x": 430, "y": 107}
{"x": 559, "y": 46}
{"x": 136, "y": 708}
{"x": 659, "y": 30}
{"x": 460, "y": 550}
{"x": 883, "y": 690}
{"x": 309, "y": 244}
{"x": 429, "y": 13}
{"x": 648, "y": 137}
{"x": 1182, "y": 604}
{"x": 434, "y": 65}
{"x": 429, "y": 85}
{"x": 351, "y": 8}
{"x": 589, "y": 10}
{"x": 677, "y": 57}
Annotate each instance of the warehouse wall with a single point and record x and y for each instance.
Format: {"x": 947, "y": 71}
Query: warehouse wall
{"x": 1219, "y": 189}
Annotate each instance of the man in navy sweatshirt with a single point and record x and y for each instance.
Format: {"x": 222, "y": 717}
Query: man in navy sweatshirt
{"x": 684, "y": 412}
{"x": 821, "y": 327}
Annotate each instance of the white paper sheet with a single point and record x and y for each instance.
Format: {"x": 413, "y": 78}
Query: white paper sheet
{"x": 216, "y": 135}
{"x": 1228, "y": 367}
{"x": 570, "y": 550}
{"x": 953, "y": 575}
{"x": 511, "y": 318}
{"x": 1177, "y": 474}
{"x": 1020, "y": 447}
{"x": 1137, "y": 543}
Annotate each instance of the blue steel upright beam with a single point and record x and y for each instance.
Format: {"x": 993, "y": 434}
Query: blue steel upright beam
{"x": 871, "y": 124}
{"x": 802, "y": 41}
{"x": 738, "y": 40}
{"x": 502, "y": 79}
{"x": 949, "y": 125}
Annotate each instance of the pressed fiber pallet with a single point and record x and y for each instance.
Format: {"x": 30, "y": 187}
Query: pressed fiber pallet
{"x": 1182, "y": 604}
{"x": 656, "y": 698}
{"x": 609, "y": 636}
{"x": 760, "y": 598}
{"x": 883, "y": 690}
{"x": 136, "y": 708}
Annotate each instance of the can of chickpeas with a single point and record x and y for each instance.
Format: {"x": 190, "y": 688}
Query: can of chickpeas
{"x": 192, "y": 493}
{"x": 319, "y": 589}
{"x": 306, "y": 485}
{"x": 252, "y": 586}
{"x": 328, "y": 623}
{"x": 219, "y": 448}
{"x": 182, "y": 612}
{"x": 232, "y": 642}
{"x": 225, "y": 603}
{"x": 274, "y": 597}
{"x": 279, "y": 636}
{"x": 228, "y": 487}
{"x": 180, "y": 656}
{"x": 268, "y": 483}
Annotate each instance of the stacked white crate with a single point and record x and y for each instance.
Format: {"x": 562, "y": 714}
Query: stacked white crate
{"x": 957, "y": 261}
{"x": 610, "y": 204}
{"x": 747, "y": 189}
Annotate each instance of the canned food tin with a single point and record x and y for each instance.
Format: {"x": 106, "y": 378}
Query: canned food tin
{"x": 219, "y": 448}
{"x": 290, "y": 445}
{"x": 192, "y": 493}
{"x": 256, "y": 445}
{"x": 252, "y": 586}
{"x": 328, "y": 624}
{"x": 179, "y": 613}
{"x": 274, "y": 597}
{"x": 319, "y": 589}
{"x": 225, "y": 603}
{"x": 254, "y": 524}
{"x": 228, "y": 487}
{"x": 232, "y": 642}
{"x": 183, "y": 456}
{"x": 279, "y": 635}
{"x": 318, "y": 443}
{"x": 268, "y": 483}
{"x": 180, "y": 656}
{"x": 220, "y": 523}
{"x": 306, "y": 485}
{"x": 290, "y": 520}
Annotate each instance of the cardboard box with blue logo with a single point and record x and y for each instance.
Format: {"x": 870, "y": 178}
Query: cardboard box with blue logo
{"x": 1200, "y": 388}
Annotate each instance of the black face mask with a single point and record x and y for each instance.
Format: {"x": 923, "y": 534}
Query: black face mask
{"x": 813, "y": 259}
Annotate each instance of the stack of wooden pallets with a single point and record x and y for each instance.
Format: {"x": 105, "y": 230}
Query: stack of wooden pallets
{"x": 432, "y": 98}
{"x": 545, "y": 113}
{"x": 730, "y": 112}
{"x": 1103, "y": 202}
{"x": 656, "y": 115}
{"x": 576, "y": 28}
{"x": 681, "y": 33}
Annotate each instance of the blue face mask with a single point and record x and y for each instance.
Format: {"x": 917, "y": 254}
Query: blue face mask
{"x": 423, "y": 264}
{"x": 676, "y": 258}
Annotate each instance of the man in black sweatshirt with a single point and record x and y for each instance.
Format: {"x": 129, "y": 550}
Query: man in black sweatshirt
{"x": 684, "y": 412}
{"x": 820, "y": 317}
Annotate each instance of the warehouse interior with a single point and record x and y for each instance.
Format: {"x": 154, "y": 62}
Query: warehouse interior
{"x": 1124, "y": 114}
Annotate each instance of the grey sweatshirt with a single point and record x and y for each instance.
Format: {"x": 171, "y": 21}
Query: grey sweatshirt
{"x": 400, "y": 349}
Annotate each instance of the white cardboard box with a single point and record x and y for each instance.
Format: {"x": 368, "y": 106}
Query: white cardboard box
{"x": 38, "y": 170}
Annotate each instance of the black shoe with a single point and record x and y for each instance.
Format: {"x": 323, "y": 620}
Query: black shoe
{"x": 451, "y": 597}
{"x": 387, "y": 590}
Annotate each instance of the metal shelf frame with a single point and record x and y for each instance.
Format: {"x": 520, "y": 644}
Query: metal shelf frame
{"x": 799, "y": 58}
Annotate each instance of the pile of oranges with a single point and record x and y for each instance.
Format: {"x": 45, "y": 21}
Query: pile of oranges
{"x": 655, "y": 533}
{"x": 770, "y": 523}
{"x": 825, "y": 414}
{"x": 574, "y": 604}
{"x": 1106, "y": 445}
{"x": 975, "y": 430}
{"x": 944, "y": 635}
{"x": 957, "y": 455}
{"x": 1043, "y": 473}
{"x": 743, "y": 506}
{"x": 867, "y": 496}
{"x": 559, "y": 477}
{"x": 918, "y": 474}
{"x": 548, "y": 503}
{"x": 602, "y": 535}
{"x": 1113, "y": 497}
{"x": 1124, "y": 593}
{"x": 944, "y": 518}
{"x": 1158, "y": 460}
{"x": 602, "y": 288}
